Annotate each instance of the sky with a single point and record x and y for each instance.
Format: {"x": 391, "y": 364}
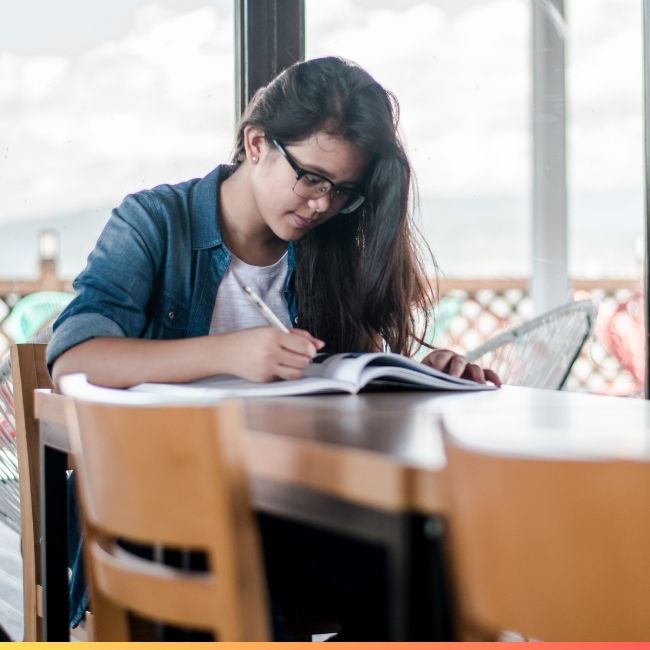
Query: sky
{"x": 145, "y": 99}
{"x": 72, "y": 26}
{"x": 99, "y": 99}
{"x": 464, "y": 83}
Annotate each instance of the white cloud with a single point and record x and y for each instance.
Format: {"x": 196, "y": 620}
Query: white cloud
{"x": 156, "y": 104}
{"x": 464, "y": 84}
{"x": 31, "y": 80}
{"x": 153, "y": 106}
{"x": 605, "y": 78}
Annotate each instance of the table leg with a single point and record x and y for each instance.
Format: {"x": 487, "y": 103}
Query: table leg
{"x": 420, "y": 607}
{"x": 54, "y": 545}
{"x": 382, "y": 568}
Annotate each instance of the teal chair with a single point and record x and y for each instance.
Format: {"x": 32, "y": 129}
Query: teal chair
{"x": 441, "y": 316}
{"x": 32, "y": 313}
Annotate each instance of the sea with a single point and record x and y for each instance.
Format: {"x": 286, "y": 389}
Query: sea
{"x": 470, "y": 236}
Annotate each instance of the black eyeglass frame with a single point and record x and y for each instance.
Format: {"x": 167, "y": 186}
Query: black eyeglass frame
{"x": 355, "y": 199}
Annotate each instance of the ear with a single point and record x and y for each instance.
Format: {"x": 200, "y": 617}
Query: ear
{"x": 254, "y": 143}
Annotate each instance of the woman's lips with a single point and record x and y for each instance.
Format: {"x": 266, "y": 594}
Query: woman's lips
{"x": 301, "y": 222}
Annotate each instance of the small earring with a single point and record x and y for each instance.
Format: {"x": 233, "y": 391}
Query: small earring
{"x": 254, "y": 159}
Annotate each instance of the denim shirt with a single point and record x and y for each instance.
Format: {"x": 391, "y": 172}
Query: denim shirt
{"x": 154, "y": 273}
{"x": 156, "y": 268}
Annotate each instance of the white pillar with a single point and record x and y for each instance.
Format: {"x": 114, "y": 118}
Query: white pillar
{"x": 550, "y": 282}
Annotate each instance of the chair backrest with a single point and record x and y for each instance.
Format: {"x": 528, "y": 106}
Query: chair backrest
{"x": 170, "y": 477}
{"x": 29, "y": 372}
{"x": 540, "y": 352}
{"x": 555, "y": 550}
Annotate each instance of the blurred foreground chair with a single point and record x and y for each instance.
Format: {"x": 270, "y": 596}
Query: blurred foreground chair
{"x": 170, "y": 477}
{"x": 555, "y": 550}
{"x": 540, "y": 352}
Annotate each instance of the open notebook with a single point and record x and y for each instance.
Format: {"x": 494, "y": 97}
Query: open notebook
{"x": 336, "y": 373}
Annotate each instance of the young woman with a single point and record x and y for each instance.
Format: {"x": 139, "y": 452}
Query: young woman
{"x": 313, "y": 214}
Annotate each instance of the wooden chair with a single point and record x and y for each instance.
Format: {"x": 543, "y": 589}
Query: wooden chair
{"x": 172, "y": 477}
{"x": 555, "y": 550}
{"x": 28, "y": 373}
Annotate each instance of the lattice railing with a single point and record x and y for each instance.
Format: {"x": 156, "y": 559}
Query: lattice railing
{"x": 472, "y": 310}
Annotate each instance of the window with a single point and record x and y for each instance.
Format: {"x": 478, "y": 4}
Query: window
{"x": 98, "y": 100}
{"x": 463, "y": 72}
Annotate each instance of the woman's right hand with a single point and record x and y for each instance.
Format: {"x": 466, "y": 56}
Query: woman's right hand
{"x": 266, "y": 353}
{"x": 259, "y": 354}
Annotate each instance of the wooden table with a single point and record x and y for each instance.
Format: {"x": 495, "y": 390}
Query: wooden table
{"x": 371, "y": 468}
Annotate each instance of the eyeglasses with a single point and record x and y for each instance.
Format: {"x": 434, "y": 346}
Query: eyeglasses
{"x": 309, "y": 185}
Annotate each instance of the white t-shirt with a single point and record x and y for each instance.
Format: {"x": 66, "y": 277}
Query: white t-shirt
{"x": 233, "y": 310}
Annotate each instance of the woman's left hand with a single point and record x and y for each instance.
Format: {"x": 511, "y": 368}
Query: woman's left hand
{"x": 458, "y": 366}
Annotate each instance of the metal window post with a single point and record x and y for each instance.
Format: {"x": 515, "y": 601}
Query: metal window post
{"x": 550, "y": 281}
{"x": 269, "y": 37}
{"x": 646, "y": 128}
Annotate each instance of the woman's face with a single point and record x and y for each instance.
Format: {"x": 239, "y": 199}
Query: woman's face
{"x": 287, "y": 214}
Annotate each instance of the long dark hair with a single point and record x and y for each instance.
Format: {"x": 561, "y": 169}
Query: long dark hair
{"x": 359, "y": 276}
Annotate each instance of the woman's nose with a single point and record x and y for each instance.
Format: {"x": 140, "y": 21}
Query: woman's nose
{"x": 321, "y": 203}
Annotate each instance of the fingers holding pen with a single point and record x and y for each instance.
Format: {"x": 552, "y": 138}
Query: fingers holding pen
{"x": 317, "y": 343}
{"x": 282, "y": 356}
{"x": 269, "y": 353}
{"x": 286, "y": 353}
{"x": 298, "y": 349}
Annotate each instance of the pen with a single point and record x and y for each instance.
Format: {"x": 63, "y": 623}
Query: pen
{"x": 262, "y": 307}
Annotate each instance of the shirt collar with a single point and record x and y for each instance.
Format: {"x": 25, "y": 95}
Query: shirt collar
{"x": 204, "y": 212}
{"x": 204, "y": 209}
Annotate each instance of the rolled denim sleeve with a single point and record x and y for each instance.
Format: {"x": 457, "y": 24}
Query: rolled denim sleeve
{"x": 114, "y": 291}
{"x": 77, "y": 329}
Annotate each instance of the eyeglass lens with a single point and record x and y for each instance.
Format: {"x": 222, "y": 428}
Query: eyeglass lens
{"x": 309, "y": 187}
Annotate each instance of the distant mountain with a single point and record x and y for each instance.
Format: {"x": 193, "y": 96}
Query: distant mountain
{"x": 471, "y": 236}
{"x": 78, "y": 233}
